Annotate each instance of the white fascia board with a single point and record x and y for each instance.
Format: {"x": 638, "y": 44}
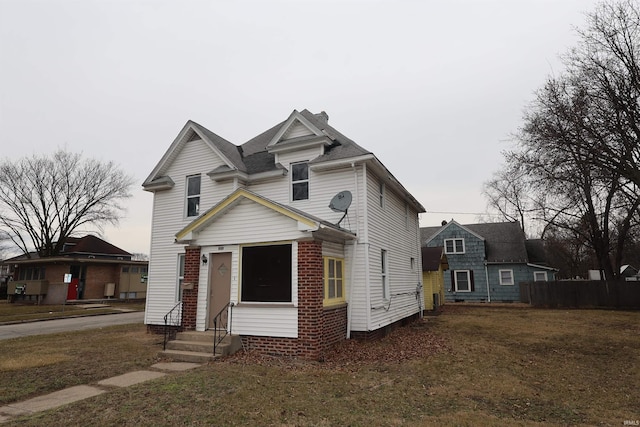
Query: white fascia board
{"x": 294, "y": 145}
{"x": 305, "y": 227}
{"x": 223, "y": 176}
{"x": 382, "y": 170}
{"x": 340, "y": 163}
{"x": 544, "y": 267}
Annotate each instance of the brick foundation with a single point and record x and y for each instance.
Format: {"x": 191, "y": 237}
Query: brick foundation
{"x": 334, "y": 326}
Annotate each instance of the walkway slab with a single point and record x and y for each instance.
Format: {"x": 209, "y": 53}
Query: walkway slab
{"x": 175, "y": 366}
{"x": 51, "y": 400}
{"x": 125, "y": 380}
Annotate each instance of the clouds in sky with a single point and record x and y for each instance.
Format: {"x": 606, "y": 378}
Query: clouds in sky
{"x": 433, "y": 88}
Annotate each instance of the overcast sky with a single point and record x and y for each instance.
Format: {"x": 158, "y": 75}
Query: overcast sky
{"x": 433, "y": 88}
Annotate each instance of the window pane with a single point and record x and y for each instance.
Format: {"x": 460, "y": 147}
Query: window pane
{"x": 181, "y": 265}
{"x": 300, "y": 171}
{"x": 266, "y": 273}
{"x": 332, "y": 288}
{"x": 459, "y": 245}
{"x": 339, "y": 288}
{"x": 339, "y": 269}
{"x": 449, "y": 245}
{"x": 193, "y": 206}
{"x": 462, "y": 280}
{"x": 125, "y": 269}
{"x": 301, "y": 191}
{"x": 193, "y": 186}
{"x": 332, "y": 268}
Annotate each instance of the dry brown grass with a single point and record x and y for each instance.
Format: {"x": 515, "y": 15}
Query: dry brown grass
{"x": 39, "y": 364}
{"x": 490, "y": 367}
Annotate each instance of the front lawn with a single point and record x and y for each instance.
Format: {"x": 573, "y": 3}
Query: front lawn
{"x": 470, "y": 366}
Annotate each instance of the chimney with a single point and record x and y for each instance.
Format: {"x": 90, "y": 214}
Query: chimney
{"x": 322, "y": 115}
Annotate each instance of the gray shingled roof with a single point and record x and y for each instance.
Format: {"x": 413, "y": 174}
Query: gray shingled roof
{"x": 504, "y": 241}
{"x": 342, "y": 148}
{"x": 230, "y": 151}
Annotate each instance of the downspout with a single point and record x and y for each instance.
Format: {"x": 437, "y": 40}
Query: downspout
{"x": 353, "y": 253}
{"x": 365, "y": 227}
{"x": 486, "y": 273}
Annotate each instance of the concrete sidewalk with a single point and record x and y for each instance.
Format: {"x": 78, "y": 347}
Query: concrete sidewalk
{"x": 81, "y": 392}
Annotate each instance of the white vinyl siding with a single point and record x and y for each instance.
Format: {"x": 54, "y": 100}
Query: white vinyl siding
{"x": 387, "y": 230}
{"x": 168, "y": 217}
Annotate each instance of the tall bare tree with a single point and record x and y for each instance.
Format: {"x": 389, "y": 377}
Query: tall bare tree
{"x": 44, "y": 199}
{"x": 579, "y": 144}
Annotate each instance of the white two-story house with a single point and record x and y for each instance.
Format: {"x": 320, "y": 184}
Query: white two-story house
{"x": 250, "y": 226}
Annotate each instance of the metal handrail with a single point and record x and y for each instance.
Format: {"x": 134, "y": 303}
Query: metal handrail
{"x": 172, "y": 318}
{"x": 220, "y": 325}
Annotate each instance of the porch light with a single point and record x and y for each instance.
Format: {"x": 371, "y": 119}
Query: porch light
{"x": 204, "y": 259}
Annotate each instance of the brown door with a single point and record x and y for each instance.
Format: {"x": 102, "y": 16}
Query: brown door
{"x": 219, "y": 284}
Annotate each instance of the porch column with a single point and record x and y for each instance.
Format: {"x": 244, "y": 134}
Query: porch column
{"x": 310, "y": 296}
{"x": 190, "y": 284}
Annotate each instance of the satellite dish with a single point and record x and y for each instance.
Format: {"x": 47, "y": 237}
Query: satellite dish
{"x": 340, "y": 203}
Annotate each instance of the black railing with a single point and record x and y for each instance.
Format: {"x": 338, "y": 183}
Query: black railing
{"x": 220, "y": 323}
{"x": 172, "y": 321}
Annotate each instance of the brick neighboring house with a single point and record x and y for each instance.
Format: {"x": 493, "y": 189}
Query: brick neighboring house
{"x": 95, "y": 269}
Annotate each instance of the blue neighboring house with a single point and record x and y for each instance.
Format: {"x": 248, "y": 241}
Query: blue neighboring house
{"x": 488, "y": 261}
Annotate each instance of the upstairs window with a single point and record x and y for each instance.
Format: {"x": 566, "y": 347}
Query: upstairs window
{"x": 454, "y": 246}
{"x": 193, "y": 195}
{"x": 300, "y": 181}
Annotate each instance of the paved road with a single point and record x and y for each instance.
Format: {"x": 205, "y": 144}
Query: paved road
{"x": 69, "y": 324}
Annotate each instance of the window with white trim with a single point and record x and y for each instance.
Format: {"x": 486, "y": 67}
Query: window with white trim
{"x": 454, "y": 246}
{"x": 300, "y": 181}
{"x": 506, "y": 277}
{"x": 462, "y": 280}
{"x": 384, "y": 274}
{"x": 266, "y": 273}
{"x": 540, "y": 276}
{"x": 193, "y": 195}
{"x": 180, "y": 278}
{"x": 333, "y": 280}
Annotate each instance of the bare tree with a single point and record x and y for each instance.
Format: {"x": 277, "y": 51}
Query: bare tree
{"x": 578, "y": 147}
{"x": 43, "y": 200}
{"x": 508, "y": 192}
{"x": 606, "y": 73}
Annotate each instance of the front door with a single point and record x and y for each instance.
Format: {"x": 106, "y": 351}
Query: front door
{"x": 219, "y": 284}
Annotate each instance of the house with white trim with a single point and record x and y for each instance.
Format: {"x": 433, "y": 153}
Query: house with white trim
{"x": 487, "y": 261}
{"x": 248, "y": 231}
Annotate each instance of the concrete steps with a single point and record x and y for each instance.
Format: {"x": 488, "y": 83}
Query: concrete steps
{"x": 197, "y": 347}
